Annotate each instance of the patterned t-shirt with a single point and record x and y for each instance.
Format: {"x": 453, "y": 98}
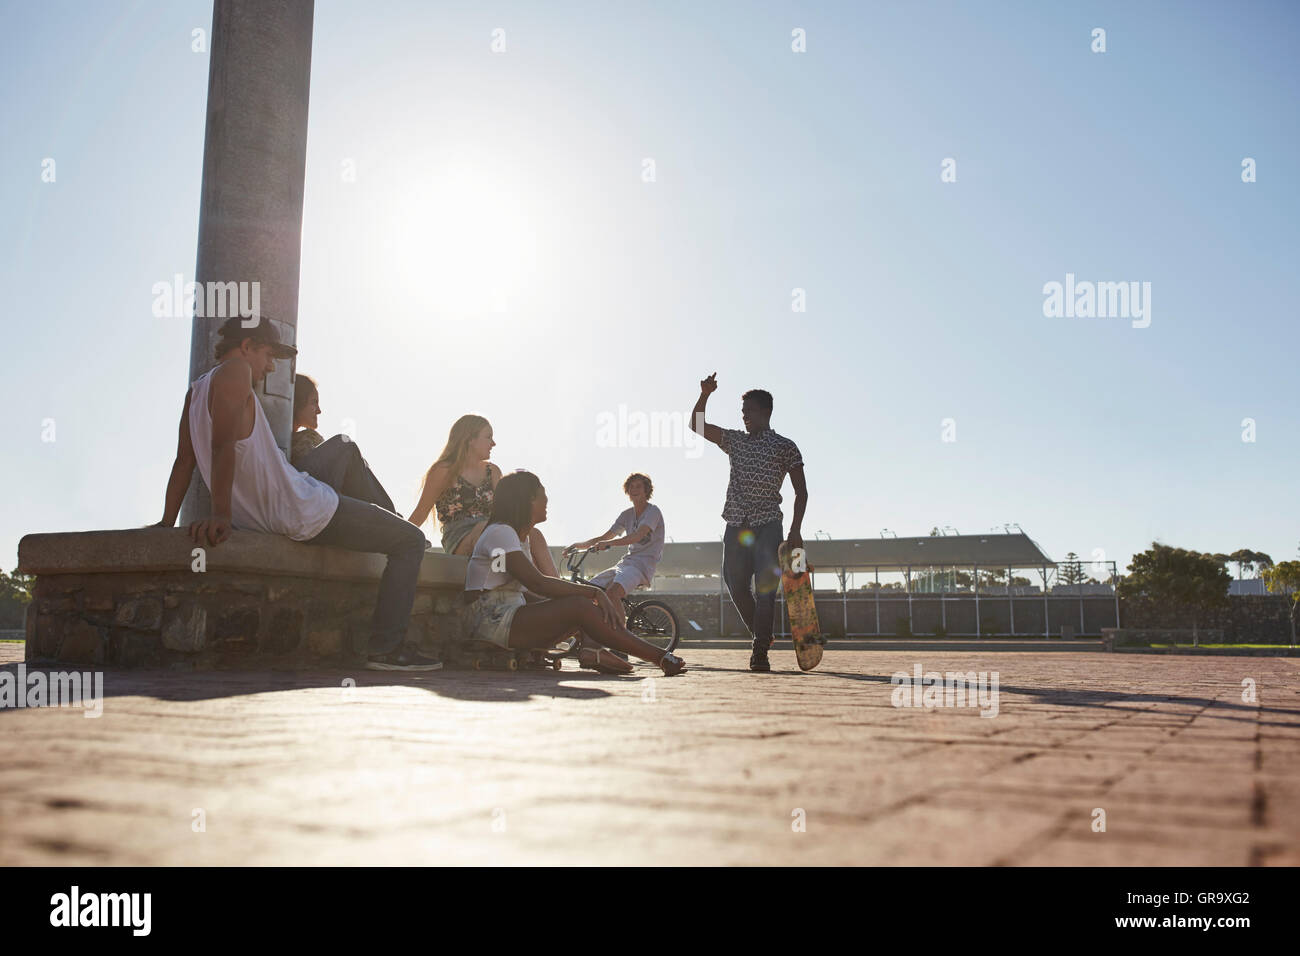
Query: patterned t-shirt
{"x": 759, "y": 464}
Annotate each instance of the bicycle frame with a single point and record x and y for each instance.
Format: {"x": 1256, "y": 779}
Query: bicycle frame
{"x": 575, "y": 574}
{"x": 632, "y": 608}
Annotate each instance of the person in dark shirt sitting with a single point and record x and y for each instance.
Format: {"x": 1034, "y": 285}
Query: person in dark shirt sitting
{"x": 336, "y": 461}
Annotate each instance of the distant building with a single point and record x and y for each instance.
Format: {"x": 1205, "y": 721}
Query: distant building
{"x": 1247, "y": 586}
{"x": 928, "y": 587}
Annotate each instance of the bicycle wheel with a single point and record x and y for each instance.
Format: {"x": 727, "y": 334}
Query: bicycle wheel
{"x": 654, "y": 621}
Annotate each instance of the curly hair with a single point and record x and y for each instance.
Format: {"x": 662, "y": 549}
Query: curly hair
{"x": 649, "y": 485}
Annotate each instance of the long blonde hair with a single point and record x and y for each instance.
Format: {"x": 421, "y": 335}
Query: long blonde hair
{"x": 464, "y": 431}
{"x": 456, "y": 452}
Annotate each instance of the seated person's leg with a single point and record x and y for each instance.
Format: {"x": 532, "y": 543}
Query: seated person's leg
{"x": 547, "y": 623}
{"x": 363, "y": 526}
{"x": 618, "y": 582}
{"x": 328, "y": 462}
{"x": 544, "y": 624}
{"x": 364, "y": 484}
{"x": 337, "y": 461}
{"x": 621, "y": 580}
{"x": 606, "y": 580}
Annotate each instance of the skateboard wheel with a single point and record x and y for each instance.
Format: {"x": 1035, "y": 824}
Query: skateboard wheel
{"x": 478, "y": 664}
{"x": 557, "y": 664}
{"x": 512, "y": 664}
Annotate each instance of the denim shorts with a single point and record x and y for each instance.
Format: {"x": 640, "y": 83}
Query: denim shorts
{"x": 488, "y": 618}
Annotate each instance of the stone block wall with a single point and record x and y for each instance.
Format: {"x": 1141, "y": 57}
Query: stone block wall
{"x": 134, "y": 599}
{"x": 1247, "y": 618}
{"x": 217, "y": 620}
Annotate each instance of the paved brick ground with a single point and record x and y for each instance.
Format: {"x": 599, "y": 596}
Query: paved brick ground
{"x": 463, "y": 767}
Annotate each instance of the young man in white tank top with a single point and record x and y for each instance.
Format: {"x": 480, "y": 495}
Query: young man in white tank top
{"x": 225, "y": 434}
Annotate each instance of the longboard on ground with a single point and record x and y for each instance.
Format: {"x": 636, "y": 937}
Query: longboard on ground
{"x": 486, "y": 656}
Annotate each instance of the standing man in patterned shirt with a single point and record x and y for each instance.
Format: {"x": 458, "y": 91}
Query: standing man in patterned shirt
{"x": 760, "y": 460}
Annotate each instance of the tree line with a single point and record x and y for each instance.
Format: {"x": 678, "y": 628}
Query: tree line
{"x": 15, "y": 595}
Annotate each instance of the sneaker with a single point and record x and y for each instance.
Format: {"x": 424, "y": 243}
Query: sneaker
{"x": 758, "y": 660}
{"x": 403, "y": 659}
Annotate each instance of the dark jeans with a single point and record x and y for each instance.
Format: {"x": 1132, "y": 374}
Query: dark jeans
{"x": 337, "y": 461}
{"x": 362, "y": 526}
{"x": 756, "y": 560}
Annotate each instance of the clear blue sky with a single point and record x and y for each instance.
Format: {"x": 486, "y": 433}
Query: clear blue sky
{"x": 775, "y": 170}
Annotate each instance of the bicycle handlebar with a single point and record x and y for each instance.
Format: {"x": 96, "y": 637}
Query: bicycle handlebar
{"x": 580, "y": 554}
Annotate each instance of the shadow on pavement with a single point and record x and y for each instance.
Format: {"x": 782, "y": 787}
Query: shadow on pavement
{"x": 1107, "y": 698}
{"x": 493, "y": 686}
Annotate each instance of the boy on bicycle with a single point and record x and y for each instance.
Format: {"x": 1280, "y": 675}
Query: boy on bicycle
{"x": 642, "y": 529}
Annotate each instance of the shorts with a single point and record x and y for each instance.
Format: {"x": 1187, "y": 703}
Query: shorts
{"x": 630, "y": 576}
{"x": 455, "y": 531}
{"x": 489, "y": 617}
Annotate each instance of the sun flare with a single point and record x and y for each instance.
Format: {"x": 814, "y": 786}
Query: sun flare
{"x": 467, "y": 241}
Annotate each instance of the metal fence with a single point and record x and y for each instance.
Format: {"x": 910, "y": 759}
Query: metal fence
{"x": 1071, "y": 598}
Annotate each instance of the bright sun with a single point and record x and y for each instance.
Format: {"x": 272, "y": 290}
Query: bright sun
{"x": 466, "y": 241}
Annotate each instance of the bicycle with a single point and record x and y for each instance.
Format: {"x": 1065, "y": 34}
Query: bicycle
{"x": 652, "y": 620}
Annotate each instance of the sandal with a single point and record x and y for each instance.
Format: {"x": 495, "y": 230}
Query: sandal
{"x": 672, "y": 665}
{"x": 599, "y": 659}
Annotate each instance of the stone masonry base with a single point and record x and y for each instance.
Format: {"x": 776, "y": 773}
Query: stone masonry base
{"x": 135, "y": 599}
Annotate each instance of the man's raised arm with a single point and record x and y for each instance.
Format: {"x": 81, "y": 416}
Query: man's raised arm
{"x": 712, "y": 432}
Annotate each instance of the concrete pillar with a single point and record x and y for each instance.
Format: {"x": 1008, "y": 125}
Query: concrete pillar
{"x": 254, "y": 160}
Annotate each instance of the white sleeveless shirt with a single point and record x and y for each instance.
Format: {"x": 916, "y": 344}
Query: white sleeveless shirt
{"x": 268, "y": 494}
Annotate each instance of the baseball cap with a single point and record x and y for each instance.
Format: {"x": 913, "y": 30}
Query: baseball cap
{"x": 263, "y": 333}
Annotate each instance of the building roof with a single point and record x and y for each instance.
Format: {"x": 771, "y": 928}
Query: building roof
{"x": 993, "y": 550}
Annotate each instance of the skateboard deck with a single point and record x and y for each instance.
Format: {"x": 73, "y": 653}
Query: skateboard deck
{"x": 484, "y": 655}
{"x": 805, "y": 630}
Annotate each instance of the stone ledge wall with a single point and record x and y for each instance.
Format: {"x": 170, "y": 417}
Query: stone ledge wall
{"x": 219, "y": 619}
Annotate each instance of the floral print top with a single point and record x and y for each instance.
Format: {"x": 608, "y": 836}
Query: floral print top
{"x": 303, "y": 442}
{"x": 466, "y": 500}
